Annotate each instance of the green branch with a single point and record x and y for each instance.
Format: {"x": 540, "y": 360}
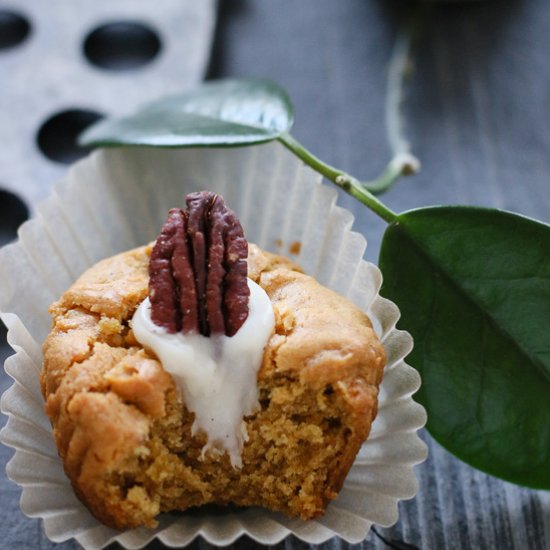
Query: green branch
{"x": 403, "y": 162}
{"x": 343, "y": 180}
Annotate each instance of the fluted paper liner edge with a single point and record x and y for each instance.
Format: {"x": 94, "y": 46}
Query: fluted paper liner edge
{"x": 117, "y": 199}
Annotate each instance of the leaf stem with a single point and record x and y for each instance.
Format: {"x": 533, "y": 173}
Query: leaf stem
{"x": 399, "y": 71}
{"x": 348, "y": 183}
{"x": 403, "y": 162}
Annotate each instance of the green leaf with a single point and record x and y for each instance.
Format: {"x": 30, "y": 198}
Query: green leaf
{"x": 218, "y": 113}
{"x": 473, "y": 286}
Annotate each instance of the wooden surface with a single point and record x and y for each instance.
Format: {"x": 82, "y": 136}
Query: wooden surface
{"x": 477, "y": 110}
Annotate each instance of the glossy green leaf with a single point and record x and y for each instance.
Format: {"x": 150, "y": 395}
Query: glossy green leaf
{"x": 218, "y": 113}
{"x": 473, "y": 286}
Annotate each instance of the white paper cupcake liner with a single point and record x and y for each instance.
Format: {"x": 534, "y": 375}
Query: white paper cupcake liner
{"x": 117, "y": 199}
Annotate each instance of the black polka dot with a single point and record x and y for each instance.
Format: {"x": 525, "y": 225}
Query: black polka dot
{"x": 13, "y": 212}
{"x": 5, "y": 352}
{"x": 122, "y": 45}
{"x": 14, "y": 28}
{"x": 58, "y": 136}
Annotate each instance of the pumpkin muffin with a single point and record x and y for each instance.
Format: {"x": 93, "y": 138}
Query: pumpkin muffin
{"x": 124, "y": 432}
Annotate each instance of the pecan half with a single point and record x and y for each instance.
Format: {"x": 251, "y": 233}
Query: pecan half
{"x": 198, "y": 270}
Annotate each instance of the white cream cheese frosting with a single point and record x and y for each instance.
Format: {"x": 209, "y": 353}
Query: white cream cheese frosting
{"x": 217, "y": 375}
